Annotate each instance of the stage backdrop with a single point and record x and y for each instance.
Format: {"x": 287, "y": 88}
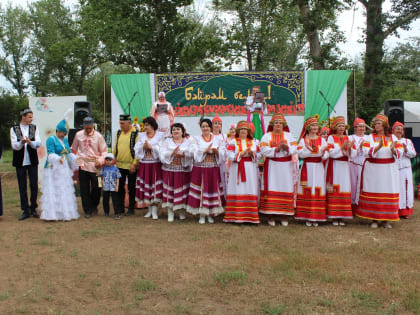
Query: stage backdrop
{"x": 48, "y": 112}
{"x": 225, "y": 93}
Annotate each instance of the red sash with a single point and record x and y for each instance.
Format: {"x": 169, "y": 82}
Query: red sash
{"x": 375, "y": 161}
{"x": 241, "y": 168}
{"x": 282, "y": 159}
{"x": 304, "y": 170}
{"x": 330, "y": 169}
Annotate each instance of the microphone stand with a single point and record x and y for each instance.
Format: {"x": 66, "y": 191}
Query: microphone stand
{"x": 129, "y": 103}
{"x": 329, "y": 105}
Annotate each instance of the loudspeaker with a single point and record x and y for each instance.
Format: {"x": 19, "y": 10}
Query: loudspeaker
{"x": 408, "y": 133}
{"x": 71, "y": 135}
{"x": 394, "y": 109}
{"x": 81, "y": 110}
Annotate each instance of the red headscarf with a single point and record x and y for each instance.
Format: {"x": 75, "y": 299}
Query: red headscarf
{"x": 309, "y": 121}
{"x": 358, "y": 121}
{"x": 277, "y": 117}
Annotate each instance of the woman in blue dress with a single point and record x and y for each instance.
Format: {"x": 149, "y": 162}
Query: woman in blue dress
{"x": 58, "y": 200}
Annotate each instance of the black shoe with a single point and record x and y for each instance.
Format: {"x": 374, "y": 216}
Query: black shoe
{"x": 117, "y": 217}
{"x": 95, "y": 211}
{"x": 129, "y": 212}
{"x": 107, "y": 214}
{"x": 24, "y": 216}
{"x": 35, "y": 214}
{"x": 87, "y": 215}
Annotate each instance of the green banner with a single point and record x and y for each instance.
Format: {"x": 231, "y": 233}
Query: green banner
{"x": 225, "y": 93}
{"x": 125, "y": 87}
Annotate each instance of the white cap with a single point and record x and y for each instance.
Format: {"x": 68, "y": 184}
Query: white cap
{"x": 109, "y": 156}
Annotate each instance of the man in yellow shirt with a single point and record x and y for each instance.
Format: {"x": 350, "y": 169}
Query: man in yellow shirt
{"x": 126, "y": 162}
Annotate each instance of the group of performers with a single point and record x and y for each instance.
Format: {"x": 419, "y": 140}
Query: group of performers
{"x": 214, "y": 174}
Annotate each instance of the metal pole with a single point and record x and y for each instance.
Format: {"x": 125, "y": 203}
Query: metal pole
{"x": 354, "y": 93}
{"x": 104, "y": 104}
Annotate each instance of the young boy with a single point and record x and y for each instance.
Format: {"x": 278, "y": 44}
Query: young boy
{"x": 110, "y": 179}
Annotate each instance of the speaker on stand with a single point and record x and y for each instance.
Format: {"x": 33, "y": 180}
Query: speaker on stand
{"x": 81, "y": 110}
{"x": 394, "y": 109}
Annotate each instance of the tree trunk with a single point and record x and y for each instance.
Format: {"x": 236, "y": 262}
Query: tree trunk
{"x": 373, "y": 56}
{"x": 311, "y": 31}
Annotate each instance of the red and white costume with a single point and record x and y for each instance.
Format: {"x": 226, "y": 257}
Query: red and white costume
{"x": 311, "y": 198}
{"x": 379, "y": 188}
{"x": 406, "y": 200}
{"x": 357, "y": 158}
{"x": 338, "y": 180}
{"x": 176, "y": 173}
{"x": 206, "y": 189}
{"x": 149, "y": 175}
{"x": 277, "y": 189}
{"x": 242, "y": 187}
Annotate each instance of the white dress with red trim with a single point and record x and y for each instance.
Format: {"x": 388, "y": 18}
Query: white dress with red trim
{"x": 222, "y": 138}
{"x": 406, "y": 201}
{"x": 242, "y": 187}
{"x": 380, "y": 183}
{"x": 206, "y": 189}
{"x": 277, "y": 192}
{"x": 149, "y": 174}
{"x": 176, "y": 172}
{"x": 338, "y": 180}
{"x": 357, "y": 158}
{"x": 311, "y": 199}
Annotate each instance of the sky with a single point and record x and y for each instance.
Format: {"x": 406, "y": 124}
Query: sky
{"x": 351, "y": 23}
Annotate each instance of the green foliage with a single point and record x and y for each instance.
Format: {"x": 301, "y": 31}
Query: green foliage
{"x": 224, "y": 278}
{"x": 10, "y": 105}
{"x": 14, "y": 36}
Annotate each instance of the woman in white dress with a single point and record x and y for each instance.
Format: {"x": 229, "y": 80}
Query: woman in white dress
{"x": 277, "y": 192}
{"x": 406, "y": 200}
{"x": 163, "y": 112}
{"x": 311, "y": 198}
{"x": 58, "y": 200}
{"x": 380, "y": 183}
{"x": 242, "y": 188}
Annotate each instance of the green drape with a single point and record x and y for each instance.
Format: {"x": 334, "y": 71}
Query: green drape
{"x": 125, "y": 85}
{"x": 331, "y": 83}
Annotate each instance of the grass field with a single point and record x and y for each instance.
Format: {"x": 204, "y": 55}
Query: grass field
{"x": 141, "y": 266}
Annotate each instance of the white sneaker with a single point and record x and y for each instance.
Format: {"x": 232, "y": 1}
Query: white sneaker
{"x": 210, "y": 219}
{"x": 315, "y": 224}
{"x": 154, "y": 213}
{"x": 170, "y": 215}
{"x": 149, "y": 212}
{"x": 271, "y": 222}
{"x": 202, "y": 219}
{"x": 284, "y": 222}
{"x": 182, "y": 215}
{"x": 387, "y": 225}
{"x": 374, "y": 225}
{"x": 342, "y": 223}
{"x": 308, "y": 223}
{"x": 335, "y": 223}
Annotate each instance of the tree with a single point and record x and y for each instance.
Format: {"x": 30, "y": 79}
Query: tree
{"x": 14, "y": 36}
{"x": 63, "y": 51}
{"x": 319, "y": 21}
{"x": 152, "y": 36}
{"x": 379, "y": 26}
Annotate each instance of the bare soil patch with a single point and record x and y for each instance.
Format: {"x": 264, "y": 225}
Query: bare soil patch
{"x": 140, "y": 266}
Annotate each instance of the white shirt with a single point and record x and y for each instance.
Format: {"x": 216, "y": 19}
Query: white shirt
{"x": 18, "y": 145}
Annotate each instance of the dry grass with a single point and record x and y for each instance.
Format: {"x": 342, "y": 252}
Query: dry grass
{"x": 140, "y": 266}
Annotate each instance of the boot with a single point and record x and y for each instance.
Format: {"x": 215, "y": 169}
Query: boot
{"x": 202, "y": 219}
{"x": 210, "y": 219}
{"x": 149, "y": 212}
{"x": 170, "y": 215}
{"x": 181, "y": 215}
{"x": 154, "y": 213}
